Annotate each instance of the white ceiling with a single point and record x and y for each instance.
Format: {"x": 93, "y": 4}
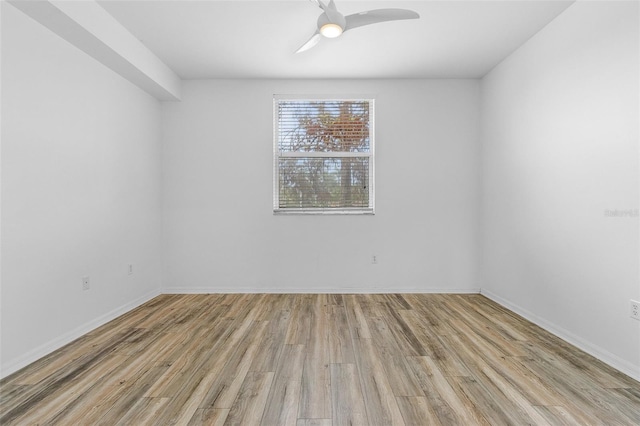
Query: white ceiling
{"x": 257, "y": 39}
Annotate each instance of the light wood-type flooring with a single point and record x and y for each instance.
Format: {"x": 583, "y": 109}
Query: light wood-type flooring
{"x": 319, "y": 360}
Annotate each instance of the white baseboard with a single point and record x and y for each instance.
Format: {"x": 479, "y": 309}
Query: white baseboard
{"x": 45, "y": 349}
{"x": 322, "y": 290}
{"x": 603, "y": 355}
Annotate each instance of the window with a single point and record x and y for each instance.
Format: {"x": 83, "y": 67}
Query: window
{"x": 323, "y": 156}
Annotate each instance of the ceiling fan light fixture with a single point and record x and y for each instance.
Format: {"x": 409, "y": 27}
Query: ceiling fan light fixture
{"x": 331, "y": 30}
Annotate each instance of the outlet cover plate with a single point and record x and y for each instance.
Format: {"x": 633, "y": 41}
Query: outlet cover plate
{"x": 635, "y": 310}
{"x": 86, "y": 283}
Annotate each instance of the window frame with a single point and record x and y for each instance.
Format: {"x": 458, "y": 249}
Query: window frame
{"x": 277, "y": 155}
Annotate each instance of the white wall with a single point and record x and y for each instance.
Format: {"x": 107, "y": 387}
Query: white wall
{"x": 560, "y": 147}
{"x": 81, "y": 189}
{"x": 80, "y": 192}
{"x": 219, "y": 230}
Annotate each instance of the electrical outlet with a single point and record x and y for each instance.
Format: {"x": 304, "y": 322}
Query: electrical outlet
{"x": 374, "y": 259}
{"x": 130, "y": 268}
{"x": 635, "y": 310}
{"x": 86, "y": 283}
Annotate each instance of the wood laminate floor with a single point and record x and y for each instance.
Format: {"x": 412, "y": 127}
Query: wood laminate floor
{"x": 319, "y": 360}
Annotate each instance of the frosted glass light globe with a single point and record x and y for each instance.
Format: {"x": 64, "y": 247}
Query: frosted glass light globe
{"x": 331, "y": 30}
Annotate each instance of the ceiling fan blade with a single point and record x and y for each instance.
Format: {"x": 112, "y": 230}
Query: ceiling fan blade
{"x": 331, "y": 11}
{"x": 378, "y": 15}
{"x": 315, "y": 38}
{"x": 328, "y": 6}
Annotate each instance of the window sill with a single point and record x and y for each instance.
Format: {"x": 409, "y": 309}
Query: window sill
{"x": 285, "y": 212}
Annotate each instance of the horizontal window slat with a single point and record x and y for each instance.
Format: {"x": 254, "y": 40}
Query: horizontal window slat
{"x": 324, "y": 154}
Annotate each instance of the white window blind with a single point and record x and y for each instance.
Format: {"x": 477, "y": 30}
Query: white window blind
{"x": 323, "y": 155}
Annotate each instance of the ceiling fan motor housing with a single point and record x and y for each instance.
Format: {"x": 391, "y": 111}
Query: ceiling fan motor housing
{"x": 337, "y": 19}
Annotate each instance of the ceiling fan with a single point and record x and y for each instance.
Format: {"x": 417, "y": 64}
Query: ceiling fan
{"x": 332, "y": 23}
